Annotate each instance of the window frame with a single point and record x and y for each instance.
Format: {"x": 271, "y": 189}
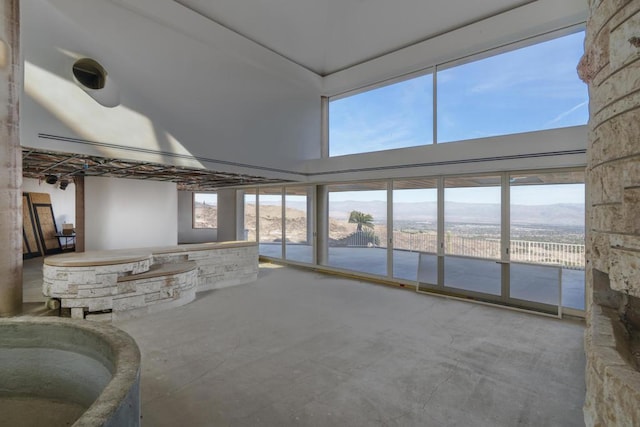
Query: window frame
{"x": 433, "y": 69}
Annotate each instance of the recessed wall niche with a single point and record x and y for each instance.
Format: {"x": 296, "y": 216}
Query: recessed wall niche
{"x": 90, "y": 73}
{"x": 93, "y": 78}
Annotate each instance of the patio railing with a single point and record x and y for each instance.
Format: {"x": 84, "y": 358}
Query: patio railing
{"x": 564, "y": 254}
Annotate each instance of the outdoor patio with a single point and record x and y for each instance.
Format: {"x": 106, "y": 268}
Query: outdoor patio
{"x": 529, "y": 282}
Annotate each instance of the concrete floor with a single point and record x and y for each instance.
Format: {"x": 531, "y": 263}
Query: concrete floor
{"x": 303, "y": 348}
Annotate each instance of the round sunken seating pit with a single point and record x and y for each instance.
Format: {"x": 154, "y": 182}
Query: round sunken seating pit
{"x": 62, "y": 371}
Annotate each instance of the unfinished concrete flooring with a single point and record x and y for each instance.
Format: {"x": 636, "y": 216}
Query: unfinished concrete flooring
{"x": 303, "y": 348}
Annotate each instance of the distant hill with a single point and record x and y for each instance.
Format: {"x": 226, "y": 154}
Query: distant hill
{"x": 568, "y": 214}
{"x": 562, "y": 214}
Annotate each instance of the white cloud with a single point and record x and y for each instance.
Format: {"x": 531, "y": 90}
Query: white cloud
{"x": 566, "y": 113}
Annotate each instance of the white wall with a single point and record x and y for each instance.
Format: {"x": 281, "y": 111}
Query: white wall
{"x": 227, "y": 215}
{"x": 129, "y": 213}
{"x": 187, "y": 86}
{"x": 63, "y": 201}
{"x": 186, "y": 232}
{"x": 192, "y": 88}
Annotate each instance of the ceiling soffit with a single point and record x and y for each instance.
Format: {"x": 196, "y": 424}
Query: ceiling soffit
{"x": 326, "y": 36}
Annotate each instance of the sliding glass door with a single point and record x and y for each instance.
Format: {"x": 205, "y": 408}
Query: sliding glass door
{"x": 270, "y": 221}
{"x": 472, "y": 234}
{"x": 415, "y": 230}
{"x": 358, "y": 227}
{"x": 299, "y": 224}
{"x": 510, "y": 238}
{"x": 547, "y": 238}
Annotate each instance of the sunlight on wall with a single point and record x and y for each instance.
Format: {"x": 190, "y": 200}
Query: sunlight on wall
{"x": 90, "y": 120}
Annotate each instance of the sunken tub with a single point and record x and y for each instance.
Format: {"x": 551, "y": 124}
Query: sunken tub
{"x": 62, "y": 372}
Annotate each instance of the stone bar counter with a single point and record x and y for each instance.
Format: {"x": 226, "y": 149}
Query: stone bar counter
{"x": 118, "y": 284}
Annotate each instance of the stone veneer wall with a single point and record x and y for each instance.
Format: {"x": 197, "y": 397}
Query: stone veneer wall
{"x": 219, "y": 265}
{"x": 115, "y": 285}
{"x": 611, "y": 67}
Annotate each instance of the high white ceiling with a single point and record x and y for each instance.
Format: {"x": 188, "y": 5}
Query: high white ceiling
{"x": 326, "y": 36}
{"x": 209, "y": 92}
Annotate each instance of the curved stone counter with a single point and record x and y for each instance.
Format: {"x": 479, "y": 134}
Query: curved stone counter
{"x": 136, "y": 258}
{"x": 108, "y": 285}
{"x": 60, "y": 371}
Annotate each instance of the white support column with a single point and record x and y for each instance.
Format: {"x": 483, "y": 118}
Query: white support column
{"x": 505, "y": 234}
{"x": 240, "y": 226}
{"x": 324, "y": 127}
{"x": 322, "y": 207}
{"x": 390, "y": 241}
{"x": 441, "y": 243}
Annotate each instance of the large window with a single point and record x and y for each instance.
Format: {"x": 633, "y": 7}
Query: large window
{"x": 358, "y": 227}
{"x": 270, "y": 222}
{"x": 298, "y": 224}
{"x": 415, "y": 228}
{"x": 205, "y": 210}
{"x": 472, "y": 241}
{"x": 511, "y": 238}
{"x": 547, "y": 238}
{"x": 528, "y": 89}
{"x": 395, "y": 116}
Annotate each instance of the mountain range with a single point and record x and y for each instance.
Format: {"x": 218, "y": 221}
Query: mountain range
{"x": 562, "y": 214}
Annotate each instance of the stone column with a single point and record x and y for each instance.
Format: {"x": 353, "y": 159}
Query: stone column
{"x": 611, "y": 67}
{"x": 11, "y": 161}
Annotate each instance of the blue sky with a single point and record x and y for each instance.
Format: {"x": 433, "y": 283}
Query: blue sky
{"x": 528, "y": 89}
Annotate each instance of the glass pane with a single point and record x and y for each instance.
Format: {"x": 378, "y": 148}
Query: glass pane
{"x": 395, "y": 116}
{"x": 270, "y": 222}
{"x": 299, "y": 229}
{"x": 528, "y": 89}
{"x": 250, "y": 215}
{"x": 205, "y": 210}
{"x": 472, "y": 216}
{"x": 415, "y": 224}
{"x": 547, "y": 229}
{"x": 358, "y": 227}
{"x": 472, "y": 274}
{"x": 532, "y": 282}
{"x": 427, "y": 268}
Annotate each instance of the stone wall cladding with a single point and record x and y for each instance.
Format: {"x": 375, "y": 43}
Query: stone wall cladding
{"x": 218, "y": 267}
{"x": 169, "y": 277}
{"x": 613, "y": 385}
{"x": 144, "y": 296}
{"x": 90, "y": 287}
{"x": 611, "y": 67}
